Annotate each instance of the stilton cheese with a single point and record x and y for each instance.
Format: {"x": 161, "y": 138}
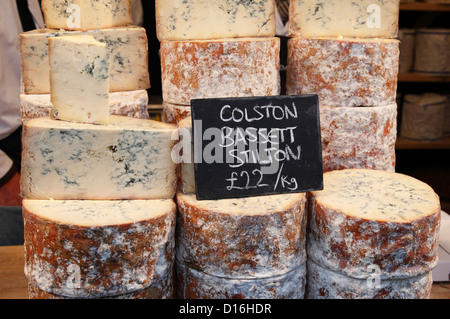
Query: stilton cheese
{"x": 214, "y": 19}
{"x": 128, "y": 103}
{"x": 86, "y": 14}
{"x": 219, "y": 68}
{"x": 129, "y": 158}
{"x": 187, "y": 169}
{"x": 128, "y": 48}
{"x": 347, "y": 18}
{"x": 344, "y": 71}
{"x": 373, "y": 218}
{"x": 173, "y": 113}
{"x": 255, "y": 237}
{"x": 195, "y": 284}
{"x": 79, "y": 79}
{"x": 324, "y": 283}
{"x": 358, "y": 137}
{"x": 88, "y": 249}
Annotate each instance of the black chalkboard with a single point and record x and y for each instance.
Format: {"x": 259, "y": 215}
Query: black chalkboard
{"x": 256, "y": 146}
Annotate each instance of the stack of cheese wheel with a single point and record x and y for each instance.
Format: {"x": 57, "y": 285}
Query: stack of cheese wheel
{"x": 346, "y": 52}
{"x": 371, "y": 234}
{"x": 212, "y": 49}
{"x": 97, "y": 188}
{"x": 242, "y": 248}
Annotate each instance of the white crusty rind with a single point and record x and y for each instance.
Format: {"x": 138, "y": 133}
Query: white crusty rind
{"x": 194, "y": 284}
{"x": 256, "y": 237}
{"x": 359, "y": 137}
{"x": 219, "y": 68}
{"x": 343, "y": 72}
{"x": 323, "y": 283}
{"x": 127, "y": 103}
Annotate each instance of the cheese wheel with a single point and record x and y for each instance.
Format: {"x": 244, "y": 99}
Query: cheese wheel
{"x": 365, "y": 218}
{"x": 344, "y": 71}
{"x": 359, "y": 137}
{"x": 327, "y": 284}
{"x": 98, "y": 248}
{"x": 238, "y": 67}
{"x": 161, "y": 288}
{"x": 128, "y": 159}
{"x": 255, "y": 237}
{"x": 173, "y": 113}
{"x": 127, "y": 103}
{"x": 194, "y": 284}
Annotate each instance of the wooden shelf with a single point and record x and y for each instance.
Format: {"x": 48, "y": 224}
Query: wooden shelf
{"x": 419, "y": 77}
{"x": 421, "y": 6}
{"x": 405, "y": 144}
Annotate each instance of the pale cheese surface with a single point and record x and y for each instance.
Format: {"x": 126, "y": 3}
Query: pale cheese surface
{"x": 377, "y": 195}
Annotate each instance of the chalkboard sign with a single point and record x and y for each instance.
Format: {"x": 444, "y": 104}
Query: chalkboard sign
{"x": 256, "y": 146}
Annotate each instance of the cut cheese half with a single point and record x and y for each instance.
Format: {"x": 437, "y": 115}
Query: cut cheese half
{"x": 98, "y": 248}
{"x": 128, "y": 159}
{"x": 347, "y": 18}
{"x": 364, "y": 218}
{"x": 79, "y": 79}
{"x": 344, "y": 71}
{"x": 255, "y": 237}
{"x": 214, "y": 19}
{"x": 86, "y": 14}
{"x": 219, "y": 68}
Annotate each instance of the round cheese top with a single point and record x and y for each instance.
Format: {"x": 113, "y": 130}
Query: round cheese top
{"x": 377, "y": 195}
{"x": 255, "y": 205}
{"x": 96, "y": 213}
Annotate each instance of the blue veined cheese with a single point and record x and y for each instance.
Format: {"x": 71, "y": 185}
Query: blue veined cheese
{"x": 372, "y": 218}
{"x": 347, "y": 18}
{"x": 127, "y": 159}
{"x": 79, "y": 79}
{"x": 214, "y": 19}
{"x": 128, "y": 48}
{"x": 89, "y": 249}
{"x": 127, "y": 103}
{"x": 86, "y": 14}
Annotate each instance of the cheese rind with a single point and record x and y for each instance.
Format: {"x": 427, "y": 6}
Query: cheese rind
{"x": 219, "y": 68}
{"x": 128, "y": 103}
{"x": 359, "y": 137}
{"x": 194, "y": 284}
{"x": 186, "y": 168}
{"x": 344, "y": 72}
{"x": 128, "y": 48}
{"x": 127, "y": 159}
{"x": 256, "y": 237}
{"x": 186, "y": 20}
{"x": 79, "y": 79}
{"x": 327, "y": 284}
{"x": 86, "y": 15}
{"x": 363, "y": 19}
{"x": 173, "y": 113}
{"x": 107, "y": 248}
{"x": 366, "y": 217}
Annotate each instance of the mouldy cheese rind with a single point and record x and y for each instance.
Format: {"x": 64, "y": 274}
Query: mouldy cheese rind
{"x": 359, "y": 137}
{"x": 364, "y": 218}
{"x": 214, "y": 19}
{"x": 334, "y": 18}
{"x": 173, "y": 113}
{"x": 254, "y": 237}
{"x": 86, "y": 15}
{"x": 344, "y": 72}
{"x": 327, "y": 284}
{"x": 98, "y": 248}
{"x": 239, "y": 67}
{"x": 194, "y": 284}
{"x": 128, "y": 159}
{"x": 127, "y": 103}
{"x": 128, "y": 48}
